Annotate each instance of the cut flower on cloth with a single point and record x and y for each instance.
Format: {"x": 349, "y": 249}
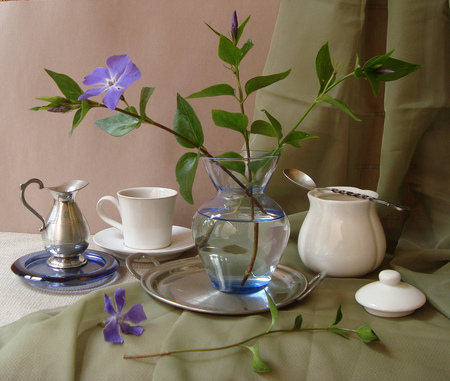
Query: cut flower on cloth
{"x": 117, "y": 322}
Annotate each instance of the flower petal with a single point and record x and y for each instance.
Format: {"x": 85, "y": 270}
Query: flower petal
{"x": 135, "y": 314}
{"x": 111, "y": 333}
{"x": 128, "y": 329}
{"x": 92, "y": 92}
{"x": 109, "y": 308}
{"x": 130, "y": 75}
{"x": 112, "y": 97}
{"x": 99, "y": 76}
{"x": 119, "y": 297}
{"x": 117, "y": 65}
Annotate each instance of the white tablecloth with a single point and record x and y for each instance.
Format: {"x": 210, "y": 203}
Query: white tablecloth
{"x": 18, "y": 298}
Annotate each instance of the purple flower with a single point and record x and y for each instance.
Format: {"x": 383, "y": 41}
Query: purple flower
{"x": 120, "y": 73}
{"x": 234, "y": 27}
{"x": 117, "y": 322}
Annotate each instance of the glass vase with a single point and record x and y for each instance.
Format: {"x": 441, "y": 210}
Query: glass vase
{"x": 240, "y": 233}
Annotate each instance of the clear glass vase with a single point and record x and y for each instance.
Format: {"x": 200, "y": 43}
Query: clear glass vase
{"x": 240, "y": 233}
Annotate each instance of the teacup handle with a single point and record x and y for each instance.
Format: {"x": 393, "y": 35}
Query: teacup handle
{"x": 133, "y": 257}
{"x": 103, "y": 215}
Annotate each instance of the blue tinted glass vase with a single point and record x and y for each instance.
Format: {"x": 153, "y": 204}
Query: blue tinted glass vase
{"x": 240, "y": 233}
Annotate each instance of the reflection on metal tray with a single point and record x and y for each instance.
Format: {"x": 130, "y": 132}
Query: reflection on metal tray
{"x": 185, "y": 284}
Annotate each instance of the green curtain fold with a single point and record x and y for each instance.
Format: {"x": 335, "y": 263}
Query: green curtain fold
{"x": 400, "y": 148}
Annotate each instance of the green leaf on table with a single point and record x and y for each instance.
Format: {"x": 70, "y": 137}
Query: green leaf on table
{"x": 260, "y": 82}
{"x": 341, "y": 105}
{"x": 258, "y": 365}
{"x": 324, "y": 67}
{"x": 273, "y": 310}
{"x": 187, "y": 124}
{"x": 366, "y": 334}
{"x": 67, "y": 85}
{"x": 295, "y": 137}
{"x": 146, "y": 93}
{"x": 338, "y": 316}
{"x": 340, "y": 332}
{"x": 214, "y": 91}
{"x": 228, "y": 52}
{"x": 298, "y": 322}
{"x": 233, "y": 120}
{"x": 119, "y": 124}
{"x": 185, "y": 174}
{"x": 79, "y": 115}
{"x": 233, "y": 165}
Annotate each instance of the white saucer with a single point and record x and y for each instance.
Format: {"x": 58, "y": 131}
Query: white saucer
{"x": 112, "y": 239}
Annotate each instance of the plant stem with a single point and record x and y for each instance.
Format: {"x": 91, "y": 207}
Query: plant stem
{"x": 168, "y": 353}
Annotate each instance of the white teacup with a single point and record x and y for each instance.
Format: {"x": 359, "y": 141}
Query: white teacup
{"x": 146, "y": 213}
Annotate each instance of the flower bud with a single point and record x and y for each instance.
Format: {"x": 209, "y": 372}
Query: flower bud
{"x": 234, "y": 27}
{"x": 383, "y": 71}
{"x": 61, "y": 109}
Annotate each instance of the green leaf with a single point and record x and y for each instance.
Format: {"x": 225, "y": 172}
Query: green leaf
{"x": 260, "y": 82}
{"x": 258, "y": 365}
{"x": 400, "y": 68}
{"x": 298, "y": 322}
{"x": 340, "y": 332}
{"x": 185, "y": 173}
{"x": 262, "y": 127}
{"x": 366, "y": 334}
{"x": 56, "y": 100}
{"x": 338, "y": 316}
{"x": 273, "y": 310}
{"x": 341, "y": 105}
{"x": 324, "y": 67}
{"x": 233, "y": 120}
{"x": 233, "y": 165}
{"x": 275, "y": 123}
{"x": 146, "y": 93}
{"x": 67, "y": 85}
{"x": 214, "y": 91}
{"x": 246, "y": 48}
{"x": 187, "y": 124}
{"x": 241, "y": 28}
{"x": 118, "y": 124}
{"x": 377, "y": 61}
{"x": 295, "y": 137}
{"x": 228, "y": 52}
{"x": 79, "y": 115}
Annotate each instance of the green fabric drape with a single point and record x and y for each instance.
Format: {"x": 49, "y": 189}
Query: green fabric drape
{"x": 414, "y": 155}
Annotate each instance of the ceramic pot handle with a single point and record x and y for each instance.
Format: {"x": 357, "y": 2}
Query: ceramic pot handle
{"x": 312, "y": 284}
{"x": 103, "y": 215}
{"x": 134, "y": 257}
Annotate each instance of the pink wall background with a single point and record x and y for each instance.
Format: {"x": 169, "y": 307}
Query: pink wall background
{"x": 175, "y": 52}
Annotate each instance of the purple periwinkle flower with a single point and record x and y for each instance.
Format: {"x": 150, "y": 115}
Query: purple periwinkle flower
{"x": 234, "y": 27}
{"x": 118, "y": 322}
{"x": 120, "y": 73}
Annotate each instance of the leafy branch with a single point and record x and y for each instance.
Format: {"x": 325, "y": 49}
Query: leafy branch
{"x": 364, "y": 333}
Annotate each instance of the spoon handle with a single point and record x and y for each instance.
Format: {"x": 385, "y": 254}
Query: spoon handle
{"x": 366, "y": 197}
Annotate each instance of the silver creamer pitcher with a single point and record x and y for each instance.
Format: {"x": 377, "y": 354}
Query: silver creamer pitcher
{"x": 66, "y": 232}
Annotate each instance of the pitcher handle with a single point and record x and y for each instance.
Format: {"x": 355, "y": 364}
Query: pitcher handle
{"x": 22, "y": 197}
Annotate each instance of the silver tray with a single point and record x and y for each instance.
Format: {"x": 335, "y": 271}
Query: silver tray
{"x": 185, "y": 284}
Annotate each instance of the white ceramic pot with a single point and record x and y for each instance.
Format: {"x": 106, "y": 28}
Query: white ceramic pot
{"x": 341, "y": 235}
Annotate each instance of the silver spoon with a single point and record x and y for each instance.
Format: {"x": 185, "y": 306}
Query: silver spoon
{"x": 304, "y": 181}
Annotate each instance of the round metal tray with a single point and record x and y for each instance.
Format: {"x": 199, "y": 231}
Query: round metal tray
{"x": 185, "y": 284}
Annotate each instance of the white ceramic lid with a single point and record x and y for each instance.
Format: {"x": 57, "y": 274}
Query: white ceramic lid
{"x": 390, "y": 297}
